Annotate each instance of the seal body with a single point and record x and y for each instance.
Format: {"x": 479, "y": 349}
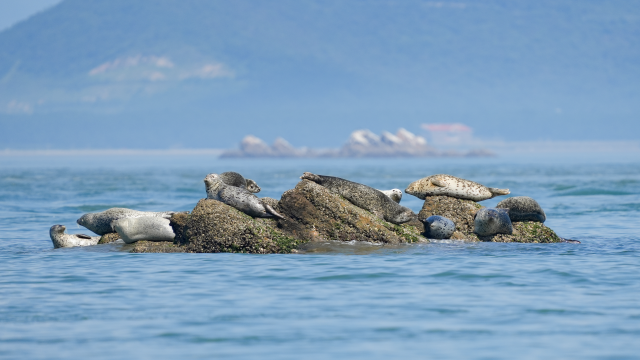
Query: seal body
{"x": 448, "y": 185}
{"x": 523, "y": 208}
{"x": 235, "y": 179}
{"x": 394, "y": 194}
{"x": 237, "y": 197}
{"x": 364, "y": 197}
{"x": 489, "y": 222}
{"x": 100, "y": 223}
{"x": 150, "y": 228}
{"x": 438, "y": 227}
{"x": 60, "y": 239}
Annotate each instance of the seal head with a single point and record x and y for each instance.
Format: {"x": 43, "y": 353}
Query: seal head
{"x": 452, "y": 186}
{"x": 393, "y": 194}
{"x": 438, "y": 227}
{"x": 235, "y": 179}
{"x": 238, "y": 198}
{"x": 523, "y": 208}
{"x": 364, "y": 197}
{"x": 489, "y": 222}
{"x": 60, "y": 239}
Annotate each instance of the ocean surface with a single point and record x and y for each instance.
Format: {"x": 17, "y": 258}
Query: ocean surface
{"x": 440, "y": 300}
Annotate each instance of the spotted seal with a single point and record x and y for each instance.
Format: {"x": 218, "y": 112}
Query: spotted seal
{"x": 238, "y": 198}
{"x": 150, "y": 228}
{"x": 394, "y": 194}
{"x": 364, "y": 197}
{"x": 60, "y": 239}
{"x": 489, "y": 222}
{"x": 452, "y": 186}
{"x": 235, "y": 179}
{"x": 100, "y": 223}
{"x": 438, "y": 227}
{"x": 523, "y": 208}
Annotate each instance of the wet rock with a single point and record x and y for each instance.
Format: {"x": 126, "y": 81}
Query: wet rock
{"x": 313, "y": 213}
{"x": 157, "y": 247}
{"x": 526, "y": 232}
{"x": 108, "y": 238}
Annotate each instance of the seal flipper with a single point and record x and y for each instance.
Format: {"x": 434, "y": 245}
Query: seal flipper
{"x": 83, "y": 236}
{"x": 437, "y": 182}
{"x": 498, "y": 192}
{"x": 310, "y": 176}
{"x": 271, "y": 211}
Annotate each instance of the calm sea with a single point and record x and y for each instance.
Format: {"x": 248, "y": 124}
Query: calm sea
{"x": 446, "y": 300}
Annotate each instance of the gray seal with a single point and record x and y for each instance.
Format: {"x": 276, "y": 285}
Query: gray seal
{"x": 151, "y": 228}
{"x": 394, "y": 194}
{"x": 60, "y": 239}
{"x": 238, "y": 198}
{"x": 235, "y": 179}
{"x": 100, "y": 223}
{"x": 523, "y": 208}
{"x": 452, "y": 186}
{"x": 438, "y": 227}
{"x": 489, "y": 222}
{"x": 364, "y": 197}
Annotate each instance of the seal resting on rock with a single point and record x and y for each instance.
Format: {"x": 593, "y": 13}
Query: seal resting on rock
{"x": 438, "y": 227}
{"x": 364, "y": 197}
{"x": 238, "y": 198}
{"x": 235, "y": 179}
{"x": 60, "y": 239}
{"x": 394, "y": 194}
{"x": 100, "y": 223}
{"x": 452, "y": 186}
{"x": 523, "y": 208}
{"x": 489, "y": 222}
{"x": 149, "y": 228}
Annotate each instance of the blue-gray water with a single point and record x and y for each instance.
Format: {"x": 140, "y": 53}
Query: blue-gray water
{"x": 455, "y": 300}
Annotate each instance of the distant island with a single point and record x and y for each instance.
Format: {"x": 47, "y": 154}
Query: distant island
{"x": 361, "y": 143}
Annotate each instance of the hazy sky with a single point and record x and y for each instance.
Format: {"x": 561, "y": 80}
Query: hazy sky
{"x": 13, "y": 11}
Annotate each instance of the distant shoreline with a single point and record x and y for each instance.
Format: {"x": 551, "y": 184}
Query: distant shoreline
{"x": 498, "y": 147}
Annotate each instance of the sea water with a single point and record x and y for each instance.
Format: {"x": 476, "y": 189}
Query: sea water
{"x": 336, "y": 300}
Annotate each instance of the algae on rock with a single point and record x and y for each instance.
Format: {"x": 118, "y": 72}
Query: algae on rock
{"x": 214, "y": 226}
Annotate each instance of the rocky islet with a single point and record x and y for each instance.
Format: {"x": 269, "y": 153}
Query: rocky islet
{"x": 311, "y": 213}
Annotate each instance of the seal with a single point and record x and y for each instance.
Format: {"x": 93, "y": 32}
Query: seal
{"x": 438, "y": 227}
{"x": 489, "y": 222}
{"x": 100, "y": 223}
{"x": 452, "y": 186}
{"x": 238, "y": 198}
{"x": 60, "y": 239}
{"x": 394, "y": 194}
{"x": 235, "y": 179}
{"x": 523, "y": 208}
{"x": 364, "y": 197}
{"x": 150, "y": 228}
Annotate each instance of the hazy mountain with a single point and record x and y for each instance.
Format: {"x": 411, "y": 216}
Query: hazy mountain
{"x": 204, "y": 73}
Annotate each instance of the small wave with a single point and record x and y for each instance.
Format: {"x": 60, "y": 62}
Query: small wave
{"x": 595, "y": 192}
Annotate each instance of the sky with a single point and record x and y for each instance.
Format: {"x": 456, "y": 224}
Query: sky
{"x": 173, "y": 73}
{"x": 14, "y": 11}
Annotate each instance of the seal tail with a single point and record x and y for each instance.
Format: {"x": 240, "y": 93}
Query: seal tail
{"x": 271, "y": 211}
{"x": 498, "y": 192}
{"x": 313, "y": 177}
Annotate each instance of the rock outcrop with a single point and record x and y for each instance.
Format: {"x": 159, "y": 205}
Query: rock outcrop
{"x": 461, "y": 212}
